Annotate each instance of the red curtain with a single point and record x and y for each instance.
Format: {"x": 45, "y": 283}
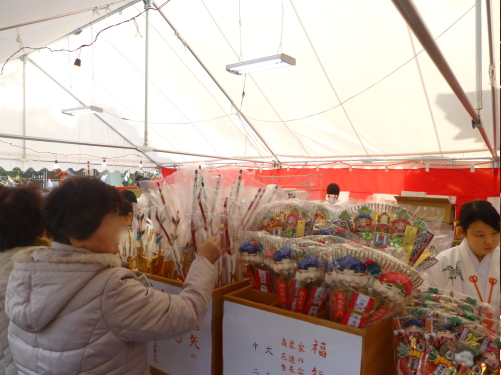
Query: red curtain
{"x": 361, "y": 183}
{"x": 168, "y": 171}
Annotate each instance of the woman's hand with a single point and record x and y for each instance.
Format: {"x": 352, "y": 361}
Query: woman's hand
{"x": 211, "y": 249}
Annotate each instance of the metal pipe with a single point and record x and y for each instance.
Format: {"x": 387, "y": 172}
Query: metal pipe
{"x": 59, "y": 16}
{"x": 146, "y": 72}
{"x": 79, "y": 162}
{"x": 411, "y": 15}
{"x": 492, "y": 76}
{"x": 82, "y": 103}
{"x": 77, "y": 31}
{"x": 215, "y": 81}
{"x": 24, "y": 106}
{"x": 64, "y": 141}
{"x": 478, "y": 53}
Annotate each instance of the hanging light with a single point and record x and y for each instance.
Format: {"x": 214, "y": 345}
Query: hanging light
{"x": 263, "y": 63}
{"x": 288, "y": 168}
{"x": 472, "y": 168}
{"x": 77, "y": 62}
{"x": 82, "y": 110}
{"x": 56, "y": 164}
{"x": 104, "y": 163}
{"x": 141, "y": 164}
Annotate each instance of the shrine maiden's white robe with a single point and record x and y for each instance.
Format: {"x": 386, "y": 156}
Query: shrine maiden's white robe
{"x": 457, "y": 268}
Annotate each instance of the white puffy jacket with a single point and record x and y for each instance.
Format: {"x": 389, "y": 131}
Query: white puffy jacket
{"x": 74, "y": 311}
{"x": 7, "y": 366}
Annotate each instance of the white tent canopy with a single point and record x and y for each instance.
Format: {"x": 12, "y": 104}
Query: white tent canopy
{"x": 357, "y": 91}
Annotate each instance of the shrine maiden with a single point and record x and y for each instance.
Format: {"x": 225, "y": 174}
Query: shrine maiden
{"x": 472, "y": 268}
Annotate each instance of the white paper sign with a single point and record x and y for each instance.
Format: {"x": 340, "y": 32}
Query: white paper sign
{"x": 257, "y": 342}
{"x": 185, "y": 355}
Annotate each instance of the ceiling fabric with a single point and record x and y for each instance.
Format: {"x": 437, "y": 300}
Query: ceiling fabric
{"x": 362, "y": 88}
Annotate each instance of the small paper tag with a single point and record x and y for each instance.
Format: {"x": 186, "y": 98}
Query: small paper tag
{"x": 301, "y": 300}
{"x": 378, "y": 314}
{"x": 254, "y": 282}
{"x": 464, "y": 334}
{"x": 301, "y": 225}
{"x": 340, "y": 304}
{"x": 282, "y": 292}
{"x": 358, "y": 310}
{"x": 316, "y": 299}
{"x": 263, "y": 279}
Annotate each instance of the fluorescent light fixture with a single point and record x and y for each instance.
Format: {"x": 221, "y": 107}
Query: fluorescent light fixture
{"x": 270, "y": 62}
{"x": 82, "y": 110}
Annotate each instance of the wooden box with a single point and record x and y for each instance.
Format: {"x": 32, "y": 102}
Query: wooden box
{"x": 217, "y": 320}
{"x": 377, "y": 340}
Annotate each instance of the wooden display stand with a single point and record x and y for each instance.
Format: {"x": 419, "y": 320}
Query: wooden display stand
{"x": 377, "y": 339}
{"x": 217, "y": 319}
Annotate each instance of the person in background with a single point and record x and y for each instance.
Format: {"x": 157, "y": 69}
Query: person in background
{"x": 142, "y": 200}
{"x": 472, "y": 268}
{"x": 21, "y": 226}
{"x": 333, "y": 193}
{"x": 74, "y": 310}
{"x": 128, "y": 211}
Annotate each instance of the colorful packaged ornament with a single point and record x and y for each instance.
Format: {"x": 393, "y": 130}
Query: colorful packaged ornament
{"x": 252, "y": 258}
{"x": 384, "y": 226}
{"x": 411, "y": 343}
{"x": 290, "y": 220}
{"x": 393, "y": 286}
{"x": 441, "y": 332}
{"x": 308, "y": 276}
{"x": 284, "y": 270}
{"x": 490, "y": 358}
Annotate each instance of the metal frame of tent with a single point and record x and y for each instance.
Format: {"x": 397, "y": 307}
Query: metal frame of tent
{"x": 406, "y": 9}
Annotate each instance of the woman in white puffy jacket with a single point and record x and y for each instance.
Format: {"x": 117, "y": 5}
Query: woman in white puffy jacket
{"x": 74, "y": 310}
{"x": 21, "y": 225}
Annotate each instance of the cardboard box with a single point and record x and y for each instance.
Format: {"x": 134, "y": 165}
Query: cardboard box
{"x": 377, "y": 341}
{"x": 450, "y": 209}
{"x": 217, "y": 320}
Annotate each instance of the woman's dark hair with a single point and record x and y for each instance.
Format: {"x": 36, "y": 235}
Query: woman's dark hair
{"x": 127, "y": 208}
{"x": 333, "y": 189}
{"x": 478, "y": 210}
{"x": 141, "y": 178}
{"x": 130, "y": 196}
{"x": 21, "y": 220}
{"x": 76, "y": 208}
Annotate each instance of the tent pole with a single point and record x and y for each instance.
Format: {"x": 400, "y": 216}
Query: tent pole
{"x": 492, "y": 76}
{"x": 60, "y": 16}
{"x": 411, "y": 15}
{"x": 24, "y": 106}
{"x": 82, "y": 103}
{"x": 216, "y": 82}
{"x": 79, "y": 30}
{"x": 147, "y": 5}
{"x": 478, "y": 53}
{"x": 65, "y": 141}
